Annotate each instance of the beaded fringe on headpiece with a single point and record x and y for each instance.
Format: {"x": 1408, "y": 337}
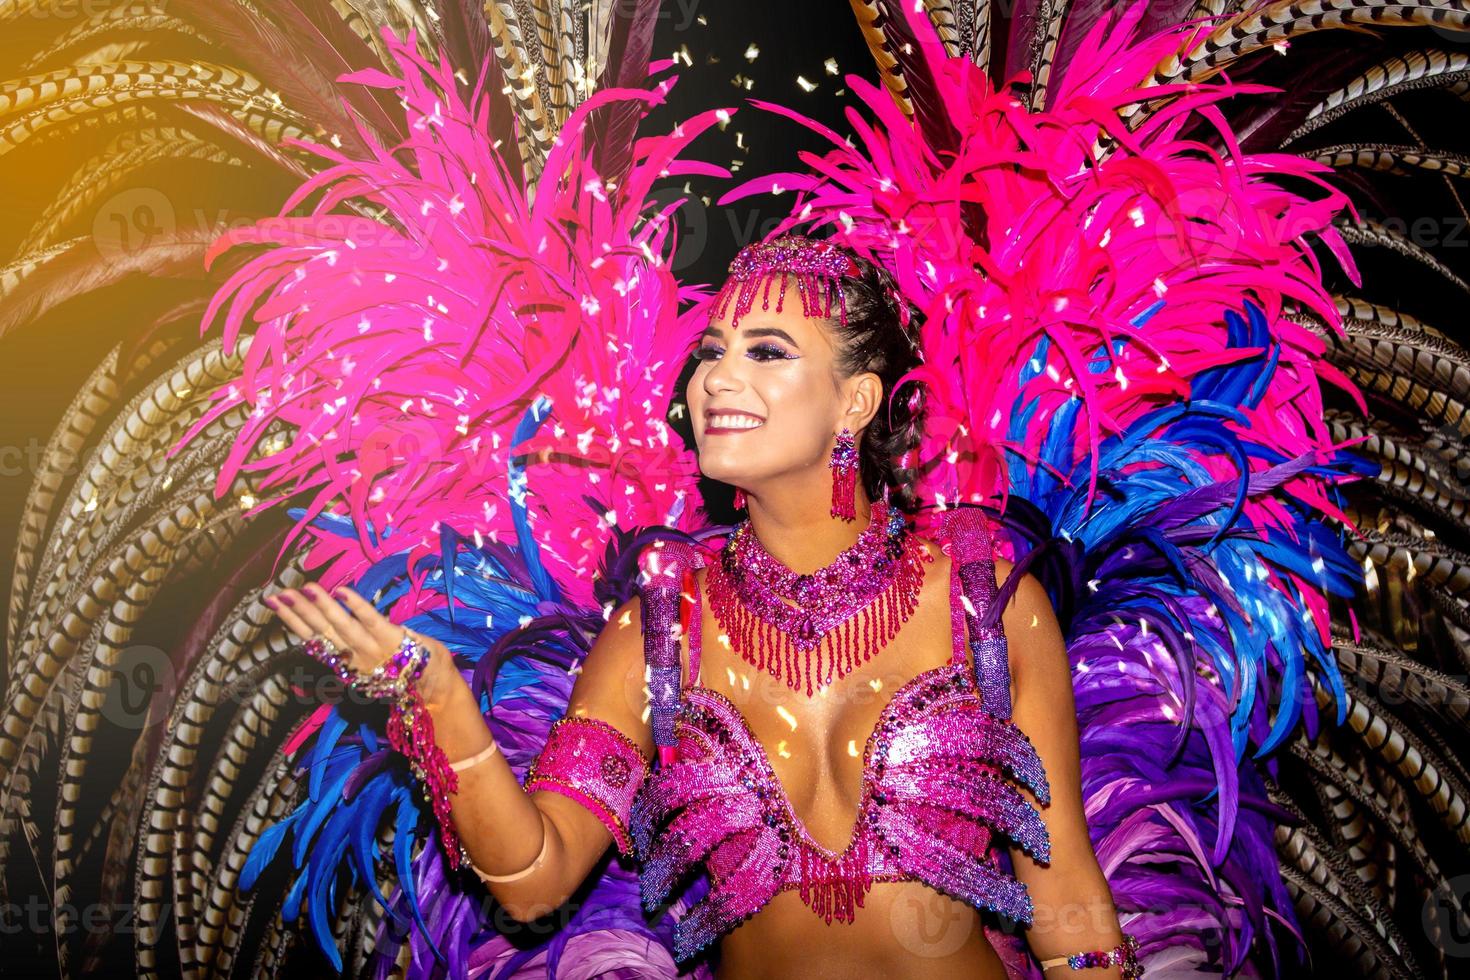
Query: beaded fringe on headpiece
{"x": 818, "y": 268}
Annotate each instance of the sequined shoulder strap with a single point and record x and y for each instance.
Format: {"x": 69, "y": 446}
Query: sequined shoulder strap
{"x": 670, "y": 602}
{"x": 968, "y": 541}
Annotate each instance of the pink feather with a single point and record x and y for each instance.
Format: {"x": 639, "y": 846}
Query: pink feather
{"x": 403, "y": 325}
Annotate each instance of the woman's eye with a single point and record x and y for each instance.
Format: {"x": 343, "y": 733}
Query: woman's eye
{"x": 760, "y": 352}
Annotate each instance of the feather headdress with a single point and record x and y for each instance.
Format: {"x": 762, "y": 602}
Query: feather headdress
{"x": 1108, "y": 356}
{"x": 475, "y": 380}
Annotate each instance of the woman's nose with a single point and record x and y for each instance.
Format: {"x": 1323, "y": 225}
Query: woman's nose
{"x": 723, "y": 375}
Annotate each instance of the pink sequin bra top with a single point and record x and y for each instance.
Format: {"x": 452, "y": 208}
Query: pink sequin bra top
{"x": 937, "y": 786}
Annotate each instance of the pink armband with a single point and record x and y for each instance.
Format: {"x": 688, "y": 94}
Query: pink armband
{"x": 595, "y": 764}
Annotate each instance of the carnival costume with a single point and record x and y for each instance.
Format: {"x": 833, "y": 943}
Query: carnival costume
{"x": 466, "y": 380}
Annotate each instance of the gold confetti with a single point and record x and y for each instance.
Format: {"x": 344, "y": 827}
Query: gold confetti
{"x": 806, "y": 86}
{"x": 831, "y": 65}
{"x": 752, "y": 52}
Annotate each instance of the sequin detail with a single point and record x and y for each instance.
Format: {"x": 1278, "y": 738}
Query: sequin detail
{"x": 933, "y": 793}
{"x": 817, "y": 267}
{"x": 937, "y": 797}
{"x": 595, "y": 764}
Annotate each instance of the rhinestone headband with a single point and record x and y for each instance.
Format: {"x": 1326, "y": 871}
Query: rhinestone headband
{"x": 818, "y": 268}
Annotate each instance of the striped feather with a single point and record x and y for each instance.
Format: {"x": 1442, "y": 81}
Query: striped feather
{"x": 1392, "y": 158}
{"x": 125, "y": 155}
{"x": 1409, "y": 72}
{"x": 1312, "y": 866}
{"x": 1374, "y": 234}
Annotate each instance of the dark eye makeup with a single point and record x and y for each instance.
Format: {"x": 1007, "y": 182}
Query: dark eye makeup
{"x": 760, "y": 352}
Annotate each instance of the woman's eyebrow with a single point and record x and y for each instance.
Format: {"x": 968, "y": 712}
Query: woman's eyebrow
{"x": 771, "y": 332}
{"x": 753, "y": 332}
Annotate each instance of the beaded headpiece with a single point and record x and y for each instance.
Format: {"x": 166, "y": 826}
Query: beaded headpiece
{"x": 818, "y": 268}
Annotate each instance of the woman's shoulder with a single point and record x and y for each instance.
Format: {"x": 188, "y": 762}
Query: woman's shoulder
{"x": 936, "y": 547}
{"x": 941, "y": 560}
{"x": 621, "y": 636}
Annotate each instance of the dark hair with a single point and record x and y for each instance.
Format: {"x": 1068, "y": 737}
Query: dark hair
{"x": 875, "y": 338}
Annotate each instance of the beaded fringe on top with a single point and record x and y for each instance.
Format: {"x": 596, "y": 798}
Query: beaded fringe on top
{"x": 771, "y": 639}
{"x": 839, "y": 652}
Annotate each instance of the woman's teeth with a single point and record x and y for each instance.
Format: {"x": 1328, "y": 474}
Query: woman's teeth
{"x": 734, "y": 422}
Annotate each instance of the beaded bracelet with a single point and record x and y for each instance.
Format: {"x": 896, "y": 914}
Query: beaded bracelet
{"x": 410, "y": 729}
{"x": 393, "y": 677}
{"x": 1124, "y": 955}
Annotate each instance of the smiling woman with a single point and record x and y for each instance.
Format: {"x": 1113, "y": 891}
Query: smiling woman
{"x": 1059, "y": 271}
{"x": 814, "y": 611}
{"x": 802, "y": 383}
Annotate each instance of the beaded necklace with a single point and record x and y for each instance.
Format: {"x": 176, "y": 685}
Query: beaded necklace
{"x": 857, "y": 603}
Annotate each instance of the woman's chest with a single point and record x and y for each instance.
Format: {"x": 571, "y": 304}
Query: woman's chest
{"x": 814, "y": 748}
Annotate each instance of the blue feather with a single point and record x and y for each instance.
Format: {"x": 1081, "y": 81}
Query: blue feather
{"x": 367, "y": 813}
{"x": 317, "y": 812}
{"x": 265, "y": 849}
{"x": 405, "y": 832}
{"x": 326, "y": 741}
{"x": 321, "y": 878}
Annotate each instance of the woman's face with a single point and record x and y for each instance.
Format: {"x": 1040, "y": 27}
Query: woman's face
{"x": 767, "y": 399}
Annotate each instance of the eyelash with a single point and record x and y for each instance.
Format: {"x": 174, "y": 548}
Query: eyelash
{"x": 767, "y": 352}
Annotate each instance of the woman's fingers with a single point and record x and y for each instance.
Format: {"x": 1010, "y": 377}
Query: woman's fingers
{"x": 347, "y": 631}
{"x": 305, "y": 611}
{"x": 348, "y": 620}
{"x": 379, "y": 627}
{"x": 287, "y": 611}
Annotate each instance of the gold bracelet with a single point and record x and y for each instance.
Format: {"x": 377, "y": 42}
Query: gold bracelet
{"x": 545, "y": 839}
{"x": 475, "y": 759}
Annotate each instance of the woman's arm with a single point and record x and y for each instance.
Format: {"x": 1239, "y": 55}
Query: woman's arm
{"x": 500, "y": 825}
{"x": 1073, "y": 905}
{"x": 498, "y": 822}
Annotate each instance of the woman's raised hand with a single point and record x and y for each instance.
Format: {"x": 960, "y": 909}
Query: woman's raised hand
{"x": 359, "y": 632}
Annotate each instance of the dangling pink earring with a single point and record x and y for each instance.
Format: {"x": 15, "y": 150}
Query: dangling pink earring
{"x": 844, "y": 466}
{"x": 739, "y": 499}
